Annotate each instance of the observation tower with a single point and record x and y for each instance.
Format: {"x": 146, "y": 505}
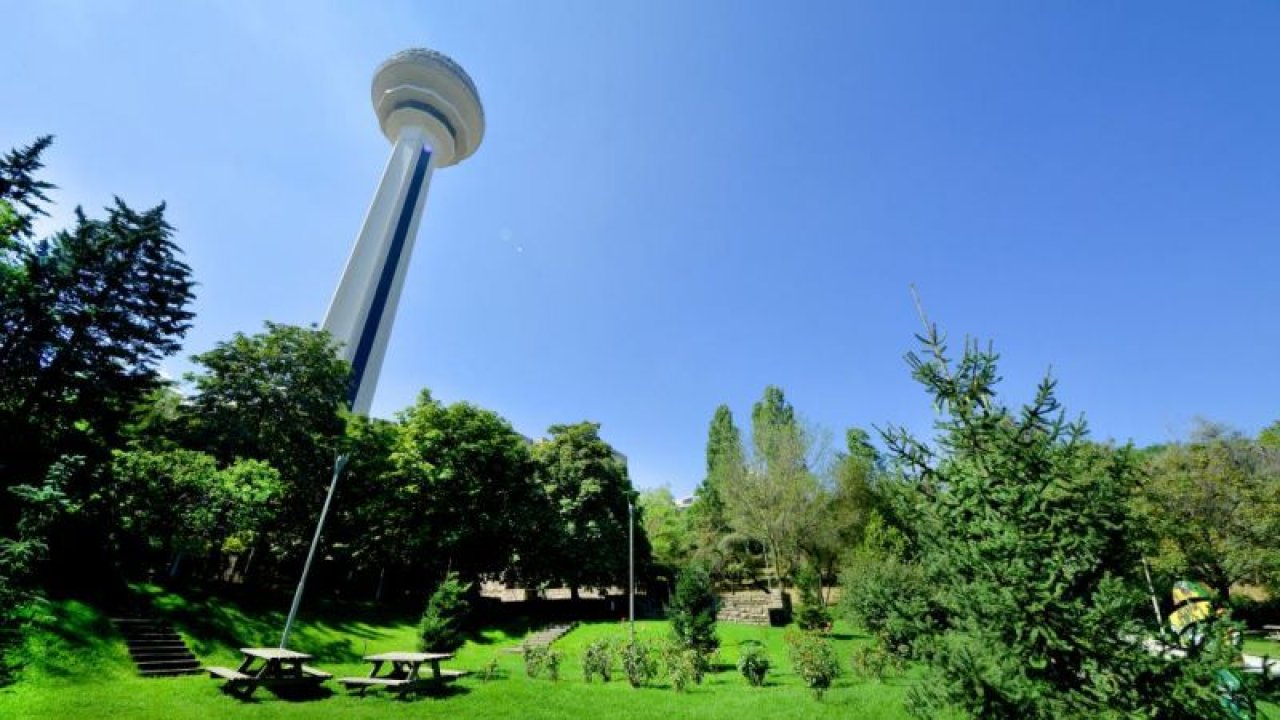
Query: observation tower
{"x": 429, "y": 109}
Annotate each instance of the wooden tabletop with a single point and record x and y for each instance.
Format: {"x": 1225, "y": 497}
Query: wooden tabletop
{"x": 275, "y": 654}
{"x": 407, "y": 657}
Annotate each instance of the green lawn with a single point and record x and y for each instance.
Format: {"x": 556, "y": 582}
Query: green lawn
{"x": 78, "y": 668}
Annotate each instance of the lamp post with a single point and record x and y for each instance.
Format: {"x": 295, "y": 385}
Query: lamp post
{"x": 631, "y": 568}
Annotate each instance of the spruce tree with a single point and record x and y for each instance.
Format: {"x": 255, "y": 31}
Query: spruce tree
{"x": 1024, "y": 539}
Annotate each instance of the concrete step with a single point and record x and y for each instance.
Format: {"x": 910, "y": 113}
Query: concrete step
{"x": 163, "y": 642}
{"x": 155, "y": 648}
{"x": 181, "y": 654}
{"x": 172, "y": 672}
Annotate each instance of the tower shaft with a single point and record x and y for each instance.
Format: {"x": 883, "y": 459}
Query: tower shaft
{"x": 363, "y": 308}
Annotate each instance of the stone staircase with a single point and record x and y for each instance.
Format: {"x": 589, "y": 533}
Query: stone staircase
{"x": 544, "y": 637}
{"x": 156, "y": 648}
{"x": 750, "y": 607}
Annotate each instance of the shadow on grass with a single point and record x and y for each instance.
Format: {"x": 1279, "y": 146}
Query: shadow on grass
{"x": 514, "y": 628}
{"x": 438, "y": 691}
{"x": 302, "y": 693}
{"x": 66, "y": 639}
{"x": 214, "y": 624}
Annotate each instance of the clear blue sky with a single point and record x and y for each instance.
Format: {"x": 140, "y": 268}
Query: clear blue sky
{"x": 678, "y": 203}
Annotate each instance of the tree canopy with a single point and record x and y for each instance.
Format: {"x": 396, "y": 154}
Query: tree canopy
{"x": 1024, "y": 541}
{"x": 1212, "y": 506}
{"x": 586, "y": 483}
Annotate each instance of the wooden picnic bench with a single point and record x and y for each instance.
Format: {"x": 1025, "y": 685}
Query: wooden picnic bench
{"x": 404, "y": 673}
{"x": 276, "y": 667}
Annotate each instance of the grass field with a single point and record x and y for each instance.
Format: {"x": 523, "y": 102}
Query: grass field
{"x": 79, "y": 668}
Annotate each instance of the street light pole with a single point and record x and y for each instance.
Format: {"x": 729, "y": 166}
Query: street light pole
{"x": 631, "y": 572}
{"x": 338, "y": 465}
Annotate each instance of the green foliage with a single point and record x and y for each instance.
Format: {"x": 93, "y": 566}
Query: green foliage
{"x": 753, "y": 662}
{"x": 85, "y": 318}
{"x": 1269, "y": 437}
{"x": 551, "y": 663}
{"x": 774, "y": 500}
{"x": 813, "y": 614}
{"x": 584, "y": 542}
{"x": 597, "y": 660}
{"x": 814, "y": 661}
{"x": 276, "y": 397}
{"x": 10, "y": 224}
{"x": 541, "y": 660}
{"x": 888, "y": 596}
{"x": 844, "y": 507}
{"x": 446, "y": 614}
{"x": 490, "y": 670}
{"x": 461, "y": 489}
{"x": 885, "y": 590}
{"x": 640, "y": 662}
{"x": 725, "y": 459}
{"x": 39, "y": 507}
{"x": 692, "y": 611}
{"x": 684, "y": 665}
{"x": 21, "y": 194}
{"x": 21, "y": 556}
{"x": 666, "y": 527}
{"x": 878, "y": 661}
{"x": 180, "y": 501}
{"x": 1209, "y": 505}
{"x": 534, "y": 657}
{"x": 1022, "y": 535}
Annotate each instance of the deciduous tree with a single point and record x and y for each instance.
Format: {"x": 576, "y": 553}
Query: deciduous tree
{"x": 275, "y": 396}
{"x": 1213, "y": 505}
{"x": 773, "y": 500}
{"x": 587, "y": 485}
{"x": 463, "y": 489}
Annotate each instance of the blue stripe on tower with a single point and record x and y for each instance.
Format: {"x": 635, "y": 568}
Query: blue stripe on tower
{"x": 377, "y": 308}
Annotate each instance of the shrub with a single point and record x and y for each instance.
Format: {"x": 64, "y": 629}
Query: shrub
{"x": 597, "y": 659}
{"x": 683, "y": 664}
{"x": 640, "y": 662}
{"x": 693, "y": 611}
{"x": 535, "y": 656}
{"x": 753, "y": 662}
{"x": 876, "y": 661}
{"x": 814, "y": 661}
{"x": 490, "y": 670}
{"x": 551, "y": 663}
{"x": 884, "y": 589}
{"x": 813, "y": 613}
{"x": 442, "y": 622}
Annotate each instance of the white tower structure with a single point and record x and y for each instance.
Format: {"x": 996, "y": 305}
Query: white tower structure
{"x": 429, "y": 109}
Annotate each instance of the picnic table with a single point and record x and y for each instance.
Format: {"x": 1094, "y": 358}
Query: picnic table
{"x": 274, "y": 667}
{"x": 404, "y": 672}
